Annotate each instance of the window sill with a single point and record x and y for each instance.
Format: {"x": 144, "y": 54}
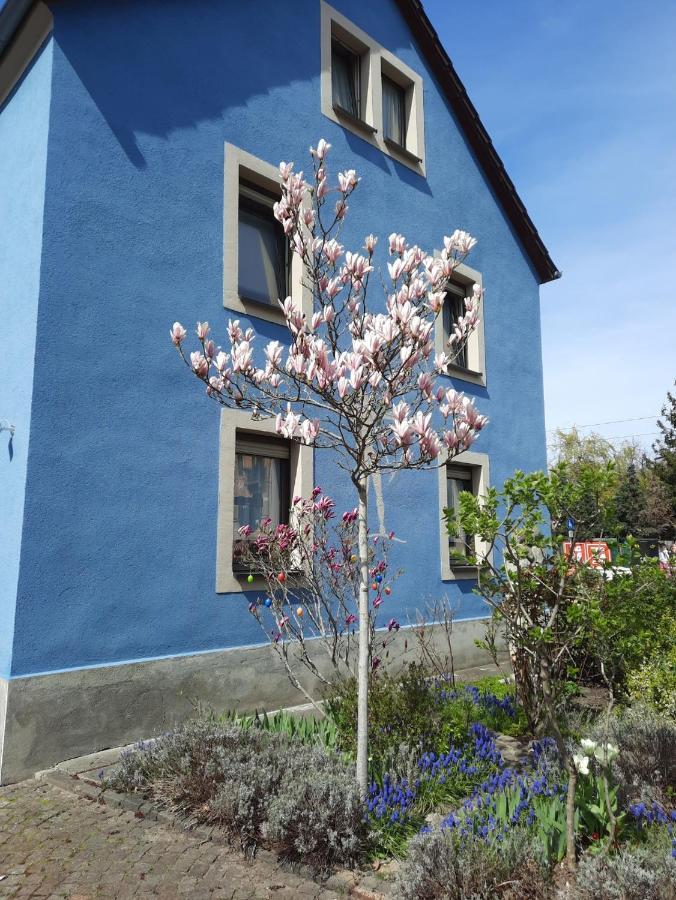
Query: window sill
{"x": 402, "y": 151}
{"x": 353, "y": 120}
{"x": 270, "y": 312}
{"x": 463, "y": 374}
{"x": 457, "y": 572}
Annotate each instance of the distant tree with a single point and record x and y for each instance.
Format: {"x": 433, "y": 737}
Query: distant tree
{"x": 664, "y": 448}
{"x": 590, "y": 462}
{"x": 658, "y": 516}
{"x": 629, "y": 504}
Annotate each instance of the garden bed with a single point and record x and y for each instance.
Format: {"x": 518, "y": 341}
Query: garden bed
{"x": 443, "y": 799}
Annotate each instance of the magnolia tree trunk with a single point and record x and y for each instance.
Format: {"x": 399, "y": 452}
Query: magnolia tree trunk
{"x": 364, "y": 641}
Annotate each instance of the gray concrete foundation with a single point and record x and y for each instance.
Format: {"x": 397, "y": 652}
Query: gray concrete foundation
{"x": 50, "y": 718}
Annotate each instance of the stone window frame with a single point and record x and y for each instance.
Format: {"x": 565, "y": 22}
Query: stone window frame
{"x": 240, "y": 164}
{"x": 475, "y": 373}
{"x": 376, "y": 62}
{"x": 301, "y": 484}
{"x": 479, "y": 465}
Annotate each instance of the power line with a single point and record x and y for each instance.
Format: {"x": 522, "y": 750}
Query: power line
{"x": 611, "y": 422}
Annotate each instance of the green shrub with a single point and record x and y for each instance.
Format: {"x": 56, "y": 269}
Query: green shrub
{"x": 253, "y": 784}
{"x": 422, "y": 712}
{"x": 441, "y": 866}
{"x": 402, "y": 709}
{"x": 644, "y": 872}
{"x": 654, "y": 682}
{"x": 634, "y": 622}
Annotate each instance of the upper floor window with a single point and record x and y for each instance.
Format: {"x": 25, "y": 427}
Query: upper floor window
{"x": 346, "y": 79}
{"x": 263, "y": 248}
{"x": 258, "y": 267}
{"x": 454, "y": 309}
{"x": 469, "y": 361}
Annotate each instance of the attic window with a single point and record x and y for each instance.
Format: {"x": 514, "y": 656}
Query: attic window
{"x": 345, "y": 79}
{"x": 369, "y": 91}
{"x": 394, "y": 112}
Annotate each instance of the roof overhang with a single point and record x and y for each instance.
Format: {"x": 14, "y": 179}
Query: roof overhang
{"x": 24, "y": 27}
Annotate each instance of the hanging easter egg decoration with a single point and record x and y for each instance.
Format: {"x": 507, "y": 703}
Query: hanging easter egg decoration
{"x": 379, "y": 578}
{"x": 388, "y": 591}
{"x": 267, "y": 602}
{"x": 250, "y": 578}
{"x": 299, "y": 612}
{"x": 281, "y": 578}
{"x": 353, "y": 558}
{"x": 374, "y": 586}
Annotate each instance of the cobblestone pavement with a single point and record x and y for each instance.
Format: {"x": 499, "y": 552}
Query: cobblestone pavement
{"x": 56, "y": 844}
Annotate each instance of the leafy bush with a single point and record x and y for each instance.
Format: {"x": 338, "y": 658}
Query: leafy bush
{"x": 634, "y": 622}
{"x": 644, "y": 872}
{"x": 426, "y": 713}
{"x": 655, "y": 681}
{"x": 402, "y": 709}
{"x": 645, "y": 767}
{"x": 442, "y": 866}
{"x": 253, "y": 784}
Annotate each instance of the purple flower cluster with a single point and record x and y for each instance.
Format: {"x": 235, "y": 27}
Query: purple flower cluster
{"x": 391, "y": 802}
{"x": 480, "y": 816}
{"x": 655, "y": 815}
{"x": 651, "y": 815}
{"x": 485, "y": 700}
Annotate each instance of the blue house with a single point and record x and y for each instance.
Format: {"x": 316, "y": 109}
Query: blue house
{"x": 138, "y": 152}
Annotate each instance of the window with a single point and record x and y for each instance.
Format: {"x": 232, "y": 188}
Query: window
{"x": 454, "y": 308}
{"x": 394, "y": 112}
{"x": 469, "y": 471}
{"x": 261, "y": 484}
{"x": 459, "y": 480}
{"x": 258, "y": 266}
{"x": 369, "y": 91}
{"x": 262, "y": 247}
{"x": 345, "y": 79}
{"x": 258, "y": 474}
{"x": 470, "y": 362}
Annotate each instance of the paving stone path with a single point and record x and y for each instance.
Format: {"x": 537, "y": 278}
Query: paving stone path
{"x": 56, "y": 844}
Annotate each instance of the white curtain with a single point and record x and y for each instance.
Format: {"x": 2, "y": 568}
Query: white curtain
{"x": 393, "y": 112}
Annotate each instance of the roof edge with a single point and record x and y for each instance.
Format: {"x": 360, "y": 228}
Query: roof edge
{"x": 478, "y": 138}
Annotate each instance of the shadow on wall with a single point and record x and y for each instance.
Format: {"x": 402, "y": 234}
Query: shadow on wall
{"x": 166, "y": 64}
{"x": 163, "y": 65}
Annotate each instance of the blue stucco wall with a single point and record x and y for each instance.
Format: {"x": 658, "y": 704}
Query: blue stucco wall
{"x": 24, "y": 122}
{"x": 122, "y": 478}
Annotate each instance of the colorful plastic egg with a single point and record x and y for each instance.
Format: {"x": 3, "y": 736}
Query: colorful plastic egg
{"x": 281, "y": 578}
{"x": 388, "y": 591}
{"x": 267, "y": 602}
{"x": 379, "y": 578}
{"x": 299, "y": 612}
{"x": 374, "y": 586}
{"x": 250, "y": 579}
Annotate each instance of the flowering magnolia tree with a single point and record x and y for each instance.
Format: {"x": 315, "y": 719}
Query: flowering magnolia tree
{"x": 351, "y": 379}
{"x": 311, "y": 570}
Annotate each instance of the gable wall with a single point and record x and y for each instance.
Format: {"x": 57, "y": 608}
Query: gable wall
{"x": 122, "y": 484}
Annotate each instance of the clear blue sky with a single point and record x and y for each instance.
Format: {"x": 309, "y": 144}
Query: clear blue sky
{"x": 580, "y": 101}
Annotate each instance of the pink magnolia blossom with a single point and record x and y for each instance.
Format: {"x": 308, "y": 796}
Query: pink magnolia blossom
{"x": 178, "y": 334}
